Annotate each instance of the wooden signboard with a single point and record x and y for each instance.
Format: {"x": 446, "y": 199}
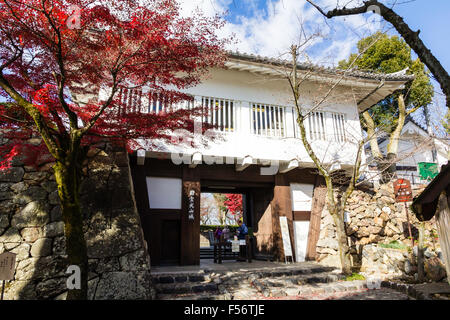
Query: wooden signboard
{"x": 286, "y": 238}
{"x": 402, "y": 190}
{"x": 403, "y": 193}
{"x": 7, "y": 264}
{"x": 235, "y": 246}
{"x": 191, "y": 205}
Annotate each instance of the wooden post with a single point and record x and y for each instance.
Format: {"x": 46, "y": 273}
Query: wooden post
{"x": 3, "y": 289}
{"x": 442, "y": 223}
{"x": 420, "y": 260}
{"x": 249, "y": 248}
{"x": 190, "y": 218}
{"x": 409, "y": 225}
{"x": 282, "y": 206}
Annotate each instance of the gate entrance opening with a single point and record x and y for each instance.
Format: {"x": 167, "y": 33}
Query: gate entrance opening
{"x": 172, "y": 201}
{"x": 219, "y": 215}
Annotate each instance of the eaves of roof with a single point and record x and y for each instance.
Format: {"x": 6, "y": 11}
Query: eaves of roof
{"x": 398, "y": 76}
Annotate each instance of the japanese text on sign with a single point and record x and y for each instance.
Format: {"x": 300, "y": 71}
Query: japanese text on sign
{"x": 191, "y": 205}
{"x": 7, "y": 264}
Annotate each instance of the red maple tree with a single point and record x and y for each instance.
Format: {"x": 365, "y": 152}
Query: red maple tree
{"x": 55, "y": 58}
{"x": 233, "y": 203}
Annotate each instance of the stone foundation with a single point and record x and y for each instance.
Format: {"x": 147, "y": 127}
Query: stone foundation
{"x": 384, "y": 262}
{"x": 31, "y": 226}
{"x": 376, "y": 219}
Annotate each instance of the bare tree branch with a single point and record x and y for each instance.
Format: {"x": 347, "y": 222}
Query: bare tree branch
{"x": 411, "y": 37}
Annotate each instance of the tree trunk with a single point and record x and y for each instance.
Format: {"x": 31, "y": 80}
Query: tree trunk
{"x": 68, "y": 179}
{"x": 388, "y": 167}
{"x": 344, "y": 250}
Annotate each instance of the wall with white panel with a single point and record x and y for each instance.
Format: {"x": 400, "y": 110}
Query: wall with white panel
{"x": 256, "y": 100}
{"x": 301, "y": 195}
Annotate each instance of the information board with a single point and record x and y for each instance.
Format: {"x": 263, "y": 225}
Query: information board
{"x": 285, "y": 236}
{"x": 7, "y": 264}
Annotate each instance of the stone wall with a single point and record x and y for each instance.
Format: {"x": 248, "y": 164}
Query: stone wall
{"x": 400, "y": 263}
{"x": 31, "y": 226}
{"x": 375, "y": 218}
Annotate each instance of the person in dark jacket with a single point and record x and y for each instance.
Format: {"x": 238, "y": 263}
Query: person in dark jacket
{"x": 218, "y": 234}
{"x": 242, "y": 231}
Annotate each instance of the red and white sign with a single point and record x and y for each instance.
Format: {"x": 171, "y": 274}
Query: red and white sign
{"x": 402, "y": 190}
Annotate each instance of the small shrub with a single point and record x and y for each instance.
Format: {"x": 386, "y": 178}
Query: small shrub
{"x": 355, "y": 276}
{"x": 393, "y": 245}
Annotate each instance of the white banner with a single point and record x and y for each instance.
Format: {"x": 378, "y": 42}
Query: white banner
{"x": 285, "y": 236}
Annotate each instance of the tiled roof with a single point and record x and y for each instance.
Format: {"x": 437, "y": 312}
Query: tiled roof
{"x": 397, "y": 76}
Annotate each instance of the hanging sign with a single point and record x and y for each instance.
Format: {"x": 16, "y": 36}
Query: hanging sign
{"x": 402, "y": 190}
{"x": 191, "y": 204}
{"x": 285, "y": 236}
{"x": 7, "y": 264}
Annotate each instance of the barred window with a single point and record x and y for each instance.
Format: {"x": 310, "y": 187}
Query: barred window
{"x": 130, "y": 100}
{"x": 268, "y": 120}
{"x": 316, "y": 126}
{"x": 220, "y": 113}
{"x": 338, "y": 127}
{"x": 134, "y": 100}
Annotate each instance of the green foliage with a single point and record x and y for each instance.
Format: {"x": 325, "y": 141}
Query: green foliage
{"x": 446, "y": 122}
{"x": 393, "y": 245}
{"x": 213, "y": 227}
{"x": 389, "y": 55}
{"x": 355, "y": 276}
{"x": 434, "y": 235}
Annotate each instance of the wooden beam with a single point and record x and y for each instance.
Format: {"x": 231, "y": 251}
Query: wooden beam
{"x": 281, "y": 205}
{"x": 242, "y": 164}
{"x": 318, "y": 203}
{"x": 140, "y": 157}
{"x": 190, "y": 219}
{"x": 288, "y": 166}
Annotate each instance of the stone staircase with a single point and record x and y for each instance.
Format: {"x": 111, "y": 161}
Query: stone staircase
{"x": 206, "y": 253}
{"x": 190, "y": 286}
{"x": 301, "y": 283}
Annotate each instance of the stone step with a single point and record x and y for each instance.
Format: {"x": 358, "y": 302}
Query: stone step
{"x": 214, "y": 285}
{"x": 193, "y": 296}
{"x": 186, "y": 287}
{"x": 179, "y": 278}
{"x": 309, "y": 291}
{"x": 285, "y": 281}
{"x": 290, "y": 272}
{"x": 239, "y": 275}
{"x": 179, "y": 283}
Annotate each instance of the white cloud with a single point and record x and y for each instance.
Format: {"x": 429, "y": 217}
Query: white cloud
{"x": 270, "y": 31}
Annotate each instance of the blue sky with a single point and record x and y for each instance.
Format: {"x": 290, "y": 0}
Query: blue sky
{"x": 269, "y": 27}
{"x": 433, "y": 19}
{"x": 255, "y": 16}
